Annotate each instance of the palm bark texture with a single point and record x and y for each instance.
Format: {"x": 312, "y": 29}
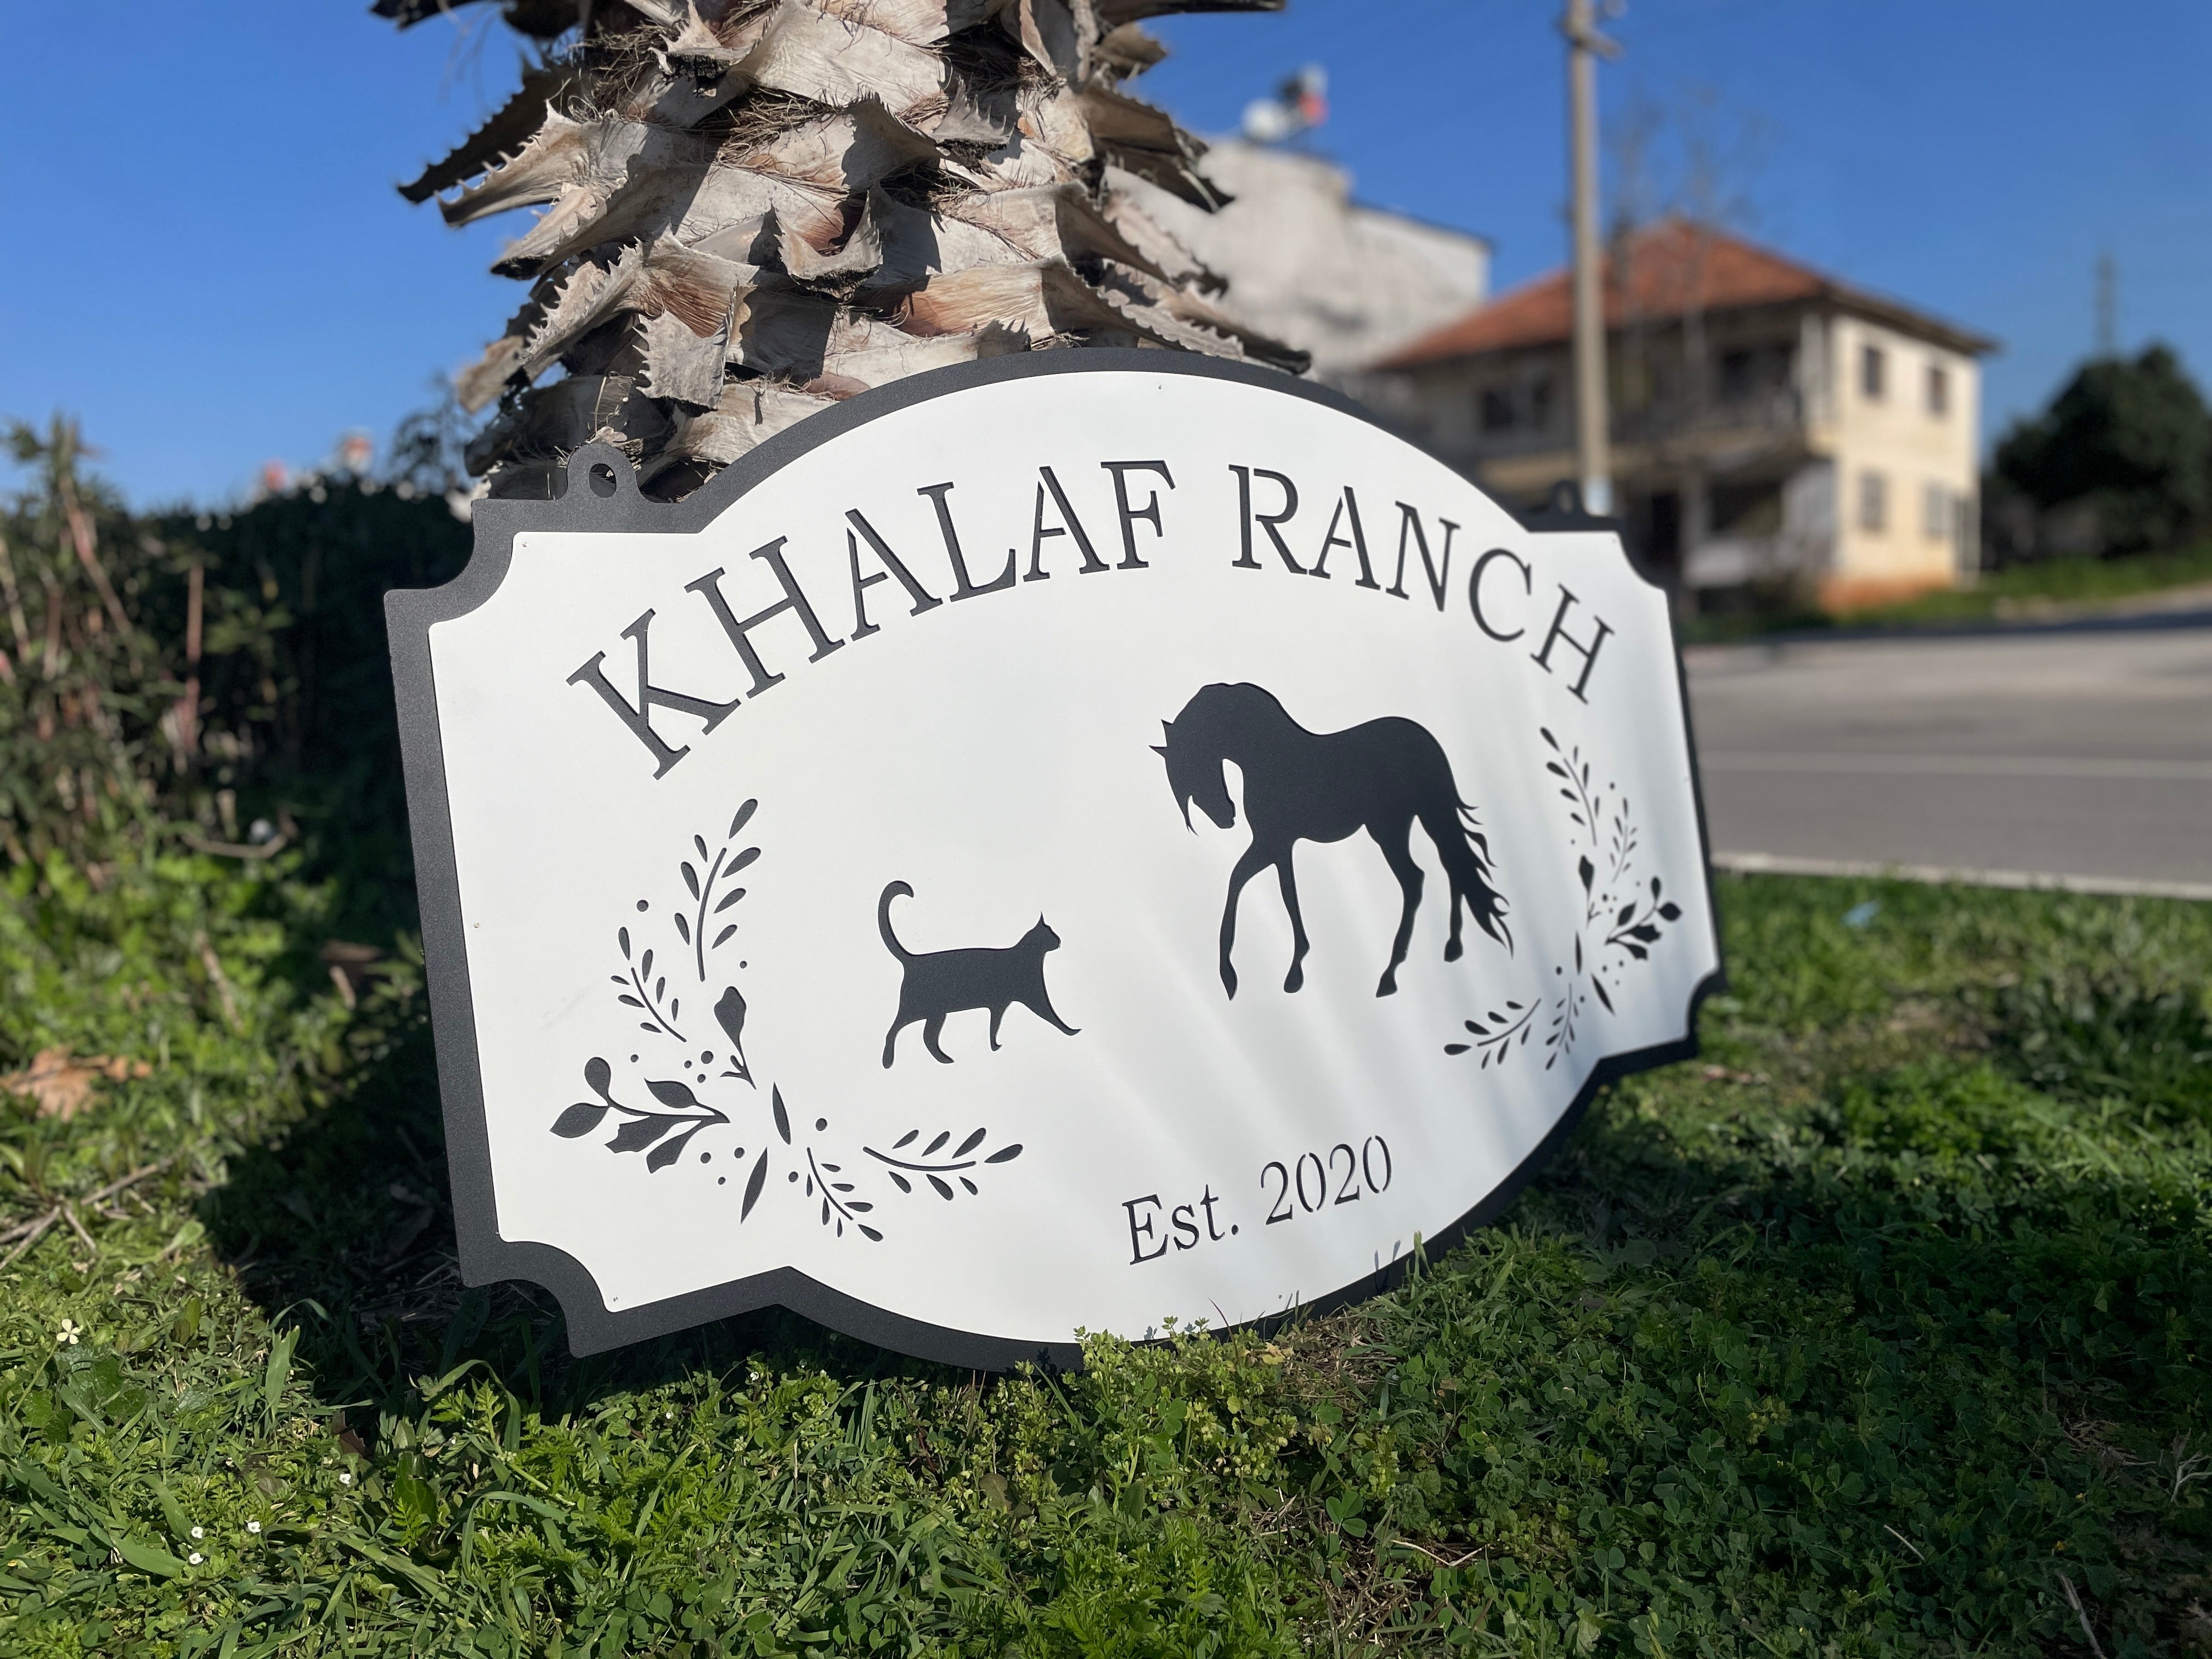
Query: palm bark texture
{"x": 755, "y": 208}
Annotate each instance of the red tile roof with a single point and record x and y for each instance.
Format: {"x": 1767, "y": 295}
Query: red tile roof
{"x": 1673, "y": 267}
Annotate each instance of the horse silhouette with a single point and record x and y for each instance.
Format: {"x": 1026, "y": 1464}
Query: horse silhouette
{"x": 1299, "y": 786}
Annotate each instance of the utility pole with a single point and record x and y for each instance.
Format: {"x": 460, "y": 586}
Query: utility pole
{"x": 2108, "y": 305}
{"x": 1592, "y": 458}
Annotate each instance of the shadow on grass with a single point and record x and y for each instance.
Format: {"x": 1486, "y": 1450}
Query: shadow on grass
{"x": 349, "y": 1213}
{"x": 346, "y": 1220}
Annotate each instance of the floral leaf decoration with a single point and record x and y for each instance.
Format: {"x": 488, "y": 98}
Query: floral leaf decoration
{"x": 641, "y": 1128}
{"x": 934, "y": 1164}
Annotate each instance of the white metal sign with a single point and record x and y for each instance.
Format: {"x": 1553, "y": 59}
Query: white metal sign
{"x": 1056, "y": 844}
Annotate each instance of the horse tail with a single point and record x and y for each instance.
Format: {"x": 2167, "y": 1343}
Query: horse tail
{"x": 1465, "y": 855}
{"x": 897, "y": 890}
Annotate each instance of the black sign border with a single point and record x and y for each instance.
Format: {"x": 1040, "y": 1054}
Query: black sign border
{"x": 602, "y": 494}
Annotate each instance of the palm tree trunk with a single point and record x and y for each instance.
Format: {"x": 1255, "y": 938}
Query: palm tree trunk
{"x": 755, "y": 208}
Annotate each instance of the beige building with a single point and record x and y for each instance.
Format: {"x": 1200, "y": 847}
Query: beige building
{"x": 1772, "y": 428}
{"x": 1310, "y": 265}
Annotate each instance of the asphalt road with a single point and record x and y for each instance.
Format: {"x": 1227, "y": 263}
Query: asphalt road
{"x": 2083, "y": 753}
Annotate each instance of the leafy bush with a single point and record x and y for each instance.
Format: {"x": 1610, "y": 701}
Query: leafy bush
{"x": 207, "y": 669}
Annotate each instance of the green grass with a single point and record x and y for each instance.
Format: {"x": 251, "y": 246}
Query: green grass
{"x": 2053, "y": 588}
{"x": 1874, "y": 1332}
{"x": 2054, "y": 585}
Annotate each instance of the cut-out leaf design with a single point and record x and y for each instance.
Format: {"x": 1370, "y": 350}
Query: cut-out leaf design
{"x": 730, "y": 1015}
{"x": 723, "y": 938}
{"x": 1638, "y": 951}
{"x": 640, "y": 1132}
{"x": 1460, "y": 1048}
{"x": 645, "y": 966}
{"x": 1587, "y": 872}
{"x": 683, "y": 928}
{"x": 1670, "y": 911}
{"x": 579, "y": 1119}
{"x": 872, "y": 1234}
{"x": 900, "y": 1180}
{"x": 753, "y": 1184}
{"x": 661, "y": 987}
{"x": 744, "y": 817}
{"x": 1598, "y": 985}
{"x": 1006, "y": 1154}
{"x": 669, "y": 1092}
{"x": 598, "y": 1075}
{"x": 668, "y": 1152}
{"x": 968, "y": 1145}
{"x": 729, "y": 898}
{"x": 691, "y": 877}
{"x": 943, "y": 1191}
{"x": 700, "y": 841}
{"x": 910, "y": 1135}
{"x": 968, "y": 1184}
{"x": 782, "y": 1118}
{"x": 859, "y": 1204}
{"x": 930, "y": 1150}
{"x": 743, "y": 859}
{"x": 1627, "y": 914}
{"x": 622, "y": 937}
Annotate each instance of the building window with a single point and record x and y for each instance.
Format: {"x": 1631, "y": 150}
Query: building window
{"x": 1935, "y": 514}
{"x": 1745, "y": 509}
{"x": 1874, "y": 503}
{"x": 1874, "y": 366}
{"x": 1539, "y": 404}
{"x": 1496, "y": 409}
{"x": 1939, "y": 389}
{"x": 1754, "y": 371}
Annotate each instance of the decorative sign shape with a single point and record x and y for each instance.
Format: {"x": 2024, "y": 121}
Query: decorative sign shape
{"x": 1081, "y": 842}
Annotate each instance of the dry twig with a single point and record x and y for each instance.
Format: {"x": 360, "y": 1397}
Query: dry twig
{"x": 213, "y": 964}
{"x": 2080, "y": 1613}
{"x": 29, "y": 1232}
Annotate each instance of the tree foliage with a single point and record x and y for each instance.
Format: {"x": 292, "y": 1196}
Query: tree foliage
{"x": 162, "y": 668}
{"x": 2128, "y": 441}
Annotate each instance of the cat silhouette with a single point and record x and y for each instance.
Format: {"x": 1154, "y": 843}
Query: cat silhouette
{"x": 942, "y": 982}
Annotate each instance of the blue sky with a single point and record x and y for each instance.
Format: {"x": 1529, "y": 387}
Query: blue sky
{"x": 202, "y": 254}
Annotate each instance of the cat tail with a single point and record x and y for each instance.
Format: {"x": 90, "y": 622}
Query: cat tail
{"x": 897, "y": 890}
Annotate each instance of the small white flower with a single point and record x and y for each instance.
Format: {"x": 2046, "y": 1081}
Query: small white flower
{"x": 70, "y": 1330}
{"x": 253, "y": 1526}
{"x": 194, "y": 1559}
{"x": 345, "y": 1479}
{"x": 199, "y": 1532}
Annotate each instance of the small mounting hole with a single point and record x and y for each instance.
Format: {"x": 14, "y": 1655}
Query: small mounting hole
{"x": 603, "y": 479}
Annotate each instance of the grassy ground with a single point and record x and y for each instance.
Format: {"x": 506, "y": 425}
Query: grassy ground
{"x": 2059, "y": 586}
{"x": 1881, "y": 1329}
{"x": 2051, "y": 589}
